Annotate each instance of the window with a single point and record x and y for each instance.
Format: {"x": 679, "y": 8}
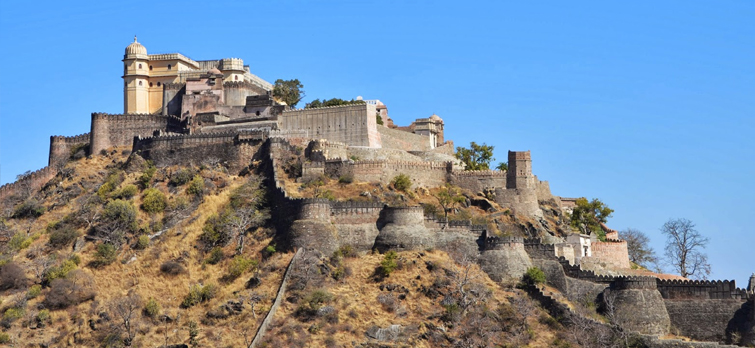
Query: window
{"x": 140, "y": 83}
{"x": 140, "y": 66}
{"x": 169, "y": 66}
{"x": 150, "y": 84}
{"x": 158, "y": 83}
{"x": 236, "y": 77}
{"x": 150, "y": 67}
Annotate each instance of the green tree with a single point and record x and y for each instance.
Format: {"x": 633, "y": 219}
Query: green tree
{"x": 448, "y": 197}
{"x": 588, "y": 215}
{"x": 288, "y": 91}
{"x": 331, "y": 102}
{"x": 503, "y": 166}
{"x": 476, "y": 157}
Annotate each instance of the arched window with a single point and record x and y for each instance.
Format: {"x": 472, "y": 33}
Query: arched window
{"x": 150, "y": 84}
{"x": 150, "y": 67}
{"x": 169, "y": 67}
{"x": 158, "y": 83}
{"x": 140, "y": 83}
{"x": 236, "y": 77}
{"x": 140, "y": 66}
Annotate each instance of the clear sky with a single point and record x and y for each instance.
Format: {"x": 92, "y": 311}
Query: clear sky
{"x": 647, "y": 105}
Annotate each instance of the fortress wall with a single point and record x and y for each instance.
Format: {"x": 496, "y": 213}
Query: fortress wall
{"x": 428, "y": 174}
{"x": 543, "y": 191}
{"x": 401, "y": 140}
{"x": 353, "y": 125}
{"x": 676, "y": 289}
{"x": 447, "y": 148}
{"x": 703, "y": 320}
{"x": 520, "y": 201}
{"x": 478, "y": 180}
{"x": 235, "y": 92}
{"x": 32, "y": 182}
{"x": 110, "y": 130}
{"x": 173, "y": 98}
{"x": 60, "y": 148}
{"x": 197, "y": 149}
{"x": 611, "y": 252}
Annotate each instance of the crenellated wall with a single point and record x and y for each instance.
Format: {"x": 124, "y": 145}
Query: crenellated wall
{"x": 29, "y": 183}
{"x": 110, "y": 130}
{"x": 61, "y": 146}
{"x": 676, "y": 289}
{"x": 235, "y": 92}
{"x": 504, "y": 259}
{"x": 427, "y": 174}
{"x": 478, "y": 180}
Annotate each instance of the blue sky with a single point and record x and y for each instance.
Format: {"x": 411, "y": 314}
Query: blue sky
{"x": 648, "y": 106}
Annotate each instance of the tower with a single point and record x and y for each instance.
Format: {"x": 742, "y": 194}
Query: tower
{"x": 519, "y": 175}
{"x": 135, "y": 79}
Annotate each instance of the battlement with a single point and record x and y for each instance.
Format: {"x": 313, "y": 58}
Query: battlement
{"x": 76, "y": 139}
{"x": 494, "y": 242}
{"x": 700, "y": 289}
{"x": 479, "y": 173}
{"x": 634, "y": 283}
{"x": 232, "y": 64}
{"x": 238, "y": 84}
{"x": 32, "y": 181}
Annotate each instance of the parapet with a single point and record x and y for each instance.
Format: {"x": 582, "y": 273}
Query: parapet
{"x": 76, "y": 139}
{"x": 32, "y": 181}
{"x": 700, "y": 289}
{"x": 634, "y": 283}
{"x": 493, "y": 242}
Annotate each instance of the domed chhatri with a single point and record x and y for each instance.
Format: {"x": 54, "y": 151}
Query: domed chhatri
{"x": 135, "y": 48}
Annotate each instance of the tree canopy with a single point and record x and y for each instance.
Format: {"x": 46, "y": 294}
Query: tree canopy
{"x": 503, "y": 166}
{"x": 289, "y": 91}
{"x": 588, "y": 215}
{"x": 638, "y": 246}
{"x": 684, "y": 245}
{"x": 476, "y": 157}
{"x": 331, "y": 102}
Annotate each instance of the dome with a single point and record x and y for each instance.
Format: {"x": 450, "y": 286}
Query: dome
{"x": 214, "y": 71}
{"x": 435, "y": 117}
{"x": 136, "y": 48}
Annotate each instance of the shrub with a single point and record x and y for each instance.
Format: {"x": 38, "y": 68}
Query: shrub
{"x": 30, "y": 208}
{"x": 12, "y": 276}
{"x": 216, "y": 255}
{"x": 106, "y": 254}
{"x": 214, "y": 231}
{"x": 12, "y": 314}
{"x": 146, "y": 178}
{"x": 58, "y": 272}
{"x": 181, "y": 177}
{"x": 142, "y": 243}
{"x": 72, "y": 290}
{"x": 152, "y": 308}
{"x": 172, "y": 268}
{"x": 75, "y": 259}
{"x": 196, "y": 186}
{"x": 127, "y": 192}
{"x": 402, "y": 182}
{"x": 270, "y": 249}
{"x": 534, "y": 276}
{"x": 239, "y": 265}
{"x": 311, "y": 303}
{"x": 113, "y": 180}
{"x": 4, "y": 338}
{"x": 388, "y": 264}
{"x": 34, "y": 291}
{"x": 62, "y": 236}
{"x": 198, "y": 294}
{"x": 19, "y": 241}
{"x": 346, "y": 179}
{"x": 120, "y": 212}
{"x": 154, "y": 201}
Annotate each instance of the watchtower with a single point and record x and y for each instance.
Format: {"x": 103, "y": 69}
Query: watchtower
{"x": 136, "y": 79}
{"x": 519, "y": 175}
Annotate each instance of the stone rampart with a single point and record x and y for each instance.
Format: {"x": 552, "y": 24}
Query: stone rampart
{"x": 676, "y": 289}
{"x": 478, "y": 180}
{"x": 613, "y": 253}
{"x": 354, "y": 125}
{"x": 702, "y": 320}
{"x": 110, "y": 130}
{"x": 521, "y": 201}
{"x": 634, "y": 283}
{"x": 61, "y": 147}
{"x": 401, "y": 140}
{"x": 28, "y": 184}
{"x": 428, "y": 174}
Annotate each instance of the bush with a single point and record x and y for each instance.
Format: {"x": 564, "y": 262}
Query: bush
{"x": 146, "y": 178}
{"x": 12, "y": 276}
{"x": 142, "y": 243}
{"x": 34, "y": 291}
{"x": 196, "y": 186}
{"x": 198, "y": 294}
{"x": 154, "y": 201}
{"x": 534, "y": 276}
{"x": 58, "y": 272}
{"x": 19, "y": 241}
{"x": 346, "y": 179}
{"x": 106, "y": 254}
{"x": 72, "y": 290}
{"x": 12, "y": 314}
{"x": 43, "y": 315}
{"x": 239, "y": 265}
{"x": 172, "y": 268}
{"x": 388, "y": 264}
{"x": 62, "y": 236}
{"x": 181, "y": 177}
{"x": 311, "y": 303}
{"x": 120, "y": 212}
{"x": 113, "y": 180}
{"x": 127, "y": 192}
{"x": 4, "y": 338}
{"x": 402, "y": 182}
{"x": 152, "y": 308}
{"x": 216, "y": 255}
{"x": 29, "y": 208}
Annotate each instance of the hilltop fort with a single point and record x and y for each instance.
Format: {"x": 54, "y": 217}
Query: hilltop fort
{"x": 178, "y": 111}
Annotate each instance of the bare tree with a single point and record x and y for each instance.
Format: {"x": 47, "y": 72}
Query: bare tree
{"x": 126, "y": 310}
{"x": 638, "y": 246}
{"x": 684, "y": 246}
{"x": 89, "y": 209}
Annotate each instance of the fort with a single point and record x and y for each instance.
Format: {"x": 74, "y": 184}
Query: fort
{"x": 178, "y": 111}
